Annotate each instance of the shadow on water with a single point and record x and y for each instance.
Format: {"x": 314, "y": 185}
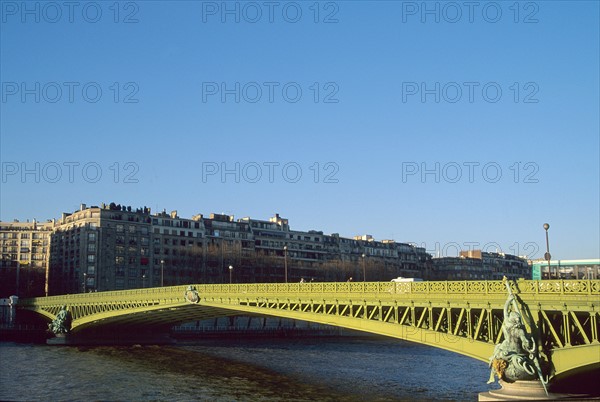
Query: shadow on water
{"x": 366, "y": 368}
{"x": 242, "y": 381}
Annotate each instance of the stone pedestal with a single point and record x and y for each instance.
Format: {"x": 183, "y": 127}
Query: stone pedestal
{"x": 519, "y": 391}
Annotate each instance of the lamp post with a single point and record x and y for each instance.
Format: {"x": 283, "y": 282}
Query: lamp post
{"x": 363, "y": 267}
{"x": 230, "y": 273}
{"x": 84, "y": 282}
{"x": 6, "y": 257}
{"x": 144, "y": 280}
{"x": 162, "y": 273}
{"x": 18, "y": 272}
{"x": 285, "y": 262}
{"x": 547, "y": 255}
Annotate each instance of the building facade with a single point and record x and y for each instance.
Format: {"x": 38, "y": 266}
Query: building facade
{"x": 100, "y": 248}
{"x": 114, "y": 247}
{"x": 566, "y": 269}
{"x": 480, "y": 265}
{"x": 25, "y": 258}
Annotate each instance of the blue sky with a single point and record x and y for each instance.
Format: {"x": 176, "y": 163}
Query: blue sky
{"x": 434, "y": 124}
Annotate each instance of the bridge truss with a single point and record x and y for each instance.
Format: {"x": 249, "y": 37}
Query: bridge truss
{"x": 463, "y": 317}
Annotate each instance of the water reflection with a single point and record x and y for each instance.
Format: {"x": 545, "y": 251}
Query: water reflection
{"x": 340, "y": 369}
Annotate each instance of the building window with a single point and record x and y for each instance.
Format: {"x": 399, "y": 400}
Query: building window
{"x": 91, "y": 269}
{"x": 91, "y": 247}
{"x": 91, "y": 258}
{"x": 120, "y": 229}
{"x": 91, "y": 236}
{"x": 131, "y": 229}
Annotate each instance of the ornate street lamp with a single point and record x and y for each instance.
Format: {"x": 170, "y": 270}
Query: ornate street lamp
{"x": 6, "y": 257}
{"x": 18, "y": 272}
{"x": 285, "y": 263}
{"x": 230, "y": 273}
{"x": 547, "y": 255}
{"x": 162, "y": 273}
{"x": 363, "y": 267}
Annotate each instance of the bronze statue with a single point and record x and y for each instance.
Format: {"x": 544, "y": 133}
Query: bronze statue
{"x": 62, "y": 323}
{"x": 515, "y": 358}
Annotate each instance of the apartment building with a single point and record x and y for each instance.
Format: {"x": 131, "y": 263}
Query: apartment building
{"x": 480, "y": 265}
{"x": 115, "y": 247}
{"x": 101, "y": 248}
{"x": 25, "y": 254}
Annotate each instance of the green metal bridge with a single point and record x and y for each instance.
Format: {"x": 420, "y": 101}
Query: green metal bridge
{"x": 463, "y": 317}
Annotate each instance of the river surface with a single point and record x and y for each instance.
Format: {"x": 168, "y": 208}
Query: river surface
{"x": 281, "y": 369}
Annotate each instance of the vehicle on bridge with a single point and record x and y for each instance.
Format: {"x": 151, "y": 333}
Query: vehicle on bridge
{"x": 403, "y": 279}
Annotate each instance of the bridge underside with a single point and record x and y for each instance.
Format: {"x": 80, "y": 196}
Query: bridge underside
{"x": 468, "y": 347}
{"x": 142, "y": 325}
{"x": 151, "y": 318}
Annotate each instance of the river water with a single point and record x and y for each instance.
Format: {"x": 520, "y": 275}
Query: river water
{"x": 290, "y": 369}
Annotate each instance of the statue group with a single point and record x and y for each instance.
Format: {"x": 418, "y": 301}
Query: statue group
{"x": 62, "y": 323}
{"x": 516, "y": 357}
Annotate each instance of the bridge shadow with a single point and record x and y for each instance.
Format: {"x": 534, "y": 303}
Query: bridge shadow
{"x": 582, "y": 381}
